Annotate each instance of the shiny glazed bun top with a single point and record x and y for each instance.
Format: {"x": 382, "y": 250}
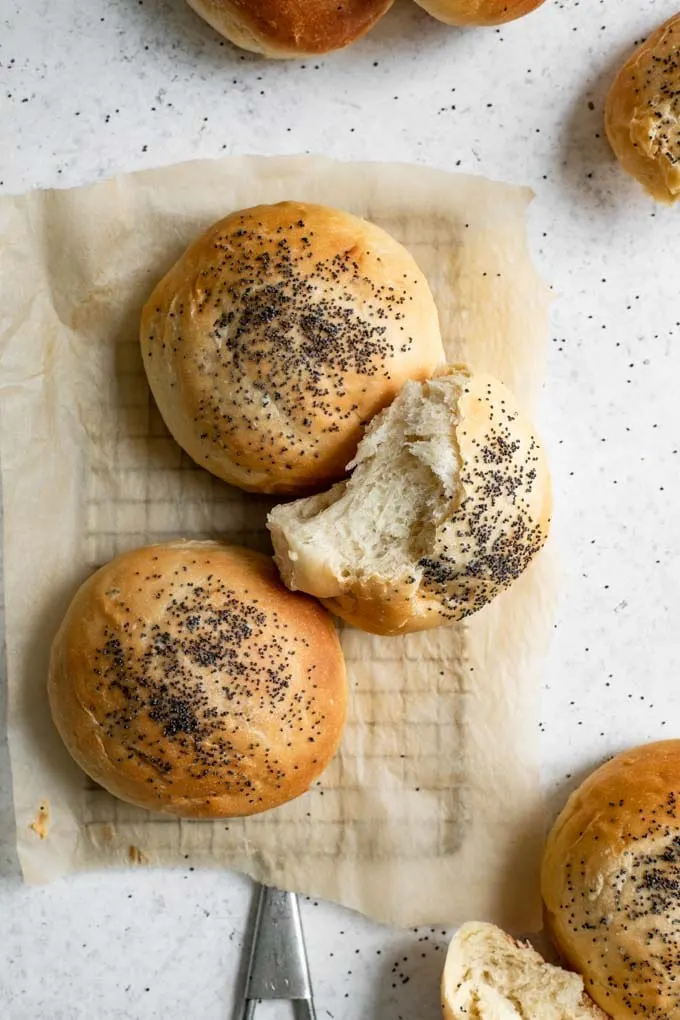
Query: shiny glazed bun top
{"x": 276, "y": 338}
{"x": 186, "y": 679}
{"x": 479, "y": 12}
{"x": 611, "y": 883}
{"x": 291, "y": 28}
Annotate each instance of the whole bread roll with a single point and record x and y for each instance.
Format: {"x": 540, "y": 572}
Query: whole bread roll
{"x": 490, "y": 976}
{"x": 611, "y": 883}
{"x": 186, "y": 679}
{"x": 291, "y": 28}
{"x": 478, "y": 12}
{"x": 448, "y": 503}
{"x": 276, "y": 337}
{"x": 642, "y": 113}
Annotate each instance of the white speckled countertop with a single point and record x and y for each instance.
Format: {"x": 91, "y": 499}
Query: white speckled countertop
{"x": 87, "y": 90}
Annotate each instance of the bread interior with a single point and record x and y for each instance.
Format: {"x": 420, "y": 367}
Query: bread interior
{"x": 404, "y": 482}
{"x": 490, "y": 976}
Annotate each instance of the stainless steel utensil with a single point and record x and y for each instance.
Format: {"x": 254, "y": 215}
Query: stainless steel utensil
{"x": 278, "y": 967}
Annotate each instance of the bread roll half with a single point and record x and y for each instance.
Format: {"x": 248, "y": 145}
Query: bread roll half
{"x": 186, "y": 679}
{"x": 490, "y": 976}
{"x": 448, "y": 502}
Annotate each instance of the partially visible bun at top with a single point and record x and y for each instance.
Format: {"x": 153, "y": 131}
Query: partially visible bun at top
{"x": 186, "y": 679}
{"x": 490, "y": 976}
{"x": 478, "y": 12}
{"x": 611, "y": 883}
{"x": 642, "y": 114}
{"x": 276, "y": 338}
{"x": 291, "y": 28}
{"x": 448, "y": 502}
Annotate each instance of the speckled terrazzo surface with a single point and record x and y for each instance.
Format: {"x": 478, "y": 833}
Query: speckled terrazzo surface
{"x": 88, "y": 90}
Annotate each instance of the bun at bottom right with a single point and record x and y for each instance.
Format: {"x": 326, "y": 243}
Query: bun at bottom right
{"x": 611, "y": 883}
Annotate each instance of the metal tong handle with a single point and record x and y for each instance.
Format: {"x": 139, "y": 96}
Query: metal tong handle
{"x": 278, "y": 967}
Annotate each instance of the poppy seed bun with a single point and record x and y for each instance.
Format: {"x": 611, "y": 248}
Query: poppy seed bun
{"x": 291, "y": 28}
{"x": 611, "y": 883}
{"x": 448, "y": 503}
{"x": 478, "y": 12}
{"x": 276, "y": 337}
{"x": 490, "y": 976}
{"x": 642, "y": 113}
{"x": 186, "y": 679}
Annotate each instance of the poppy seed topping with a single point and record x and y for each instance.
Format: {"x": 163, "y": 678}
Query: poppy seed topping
{"x": 278, "y": 335}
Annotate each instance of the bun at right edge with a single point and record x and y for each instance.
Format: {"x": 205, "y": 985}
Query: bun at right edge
{"x": 611, "y": 883}
{"x": 642, "y": 113}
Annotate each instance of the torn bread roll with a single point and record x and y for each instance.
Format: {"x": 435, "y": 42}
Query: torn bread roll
{"x": 186, "y": 679}
{"x": 642, "y": 113}
{"x": 278, "y": 335}
{"x": 490, "y": 976}
{"x": 448, "y": 502}
{"x": 611, "y": 883}
{"x": 291, "y": 28}
{"x": 478, "y": 12}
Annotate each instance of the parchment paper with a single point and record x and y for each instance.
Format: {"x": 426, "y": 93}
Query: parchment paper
{"x": 432, "y": 810}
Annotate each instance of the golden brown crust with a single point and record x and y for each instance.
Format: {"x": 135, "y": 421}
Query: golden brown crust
{"x": 186, "y": 679}
{"x": 278, "y": 335}
{"x": 291, "y": 28}
{"x": 379, "y": 609}
{"x": 611, "y": 883}
{"x": 478, "y": 12}
{"x": 642, "y": 114}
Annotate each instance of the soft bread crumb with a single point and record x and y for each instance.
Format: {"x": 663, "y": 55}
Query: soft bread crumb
{"x": 490, "y": 976}
{"x": 405, "y": 478}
